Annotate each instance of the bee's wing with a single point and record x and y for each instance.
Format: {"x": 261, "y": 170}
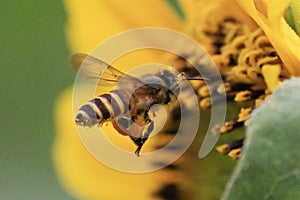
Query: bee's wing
{"x": 92, "y": 68}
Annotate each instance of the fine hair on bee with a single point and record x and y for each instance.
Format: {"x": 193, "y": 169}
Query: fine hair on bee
{"x": 128, "y": 106}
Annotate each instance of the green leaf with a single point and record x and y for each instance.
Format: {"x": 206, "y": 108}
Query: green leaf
{"x": 288, "y": 15}
{"x": 176, "y": 7}
{"x": 296, "y": 15}
{"x": 270, "y": 164}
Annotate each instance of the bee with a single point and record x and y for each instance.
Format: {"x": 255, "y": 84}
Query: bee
{"x": 128, "y": 105}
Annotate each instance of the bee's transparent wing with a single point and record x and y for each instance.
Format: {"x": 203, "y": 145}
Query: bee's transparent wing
{"x": 94, "y": 69}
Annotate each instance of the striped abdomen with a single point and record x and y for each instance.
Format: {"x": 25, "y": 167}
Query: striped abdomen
{"x": 102, "y": 108}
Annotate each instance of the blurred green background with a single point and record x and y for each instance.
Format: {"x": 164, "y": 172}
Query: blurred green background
{"x": 34, "y": 71}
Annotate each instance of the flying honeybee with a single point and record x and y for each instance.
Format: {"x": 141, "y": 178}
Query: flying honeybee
{"x": 127, "y": 106}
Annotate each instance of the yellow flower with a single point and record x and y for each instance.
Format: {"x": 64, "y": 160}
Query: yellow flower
{"x": 269, "y": 15}
{"x": 91, "y": 22}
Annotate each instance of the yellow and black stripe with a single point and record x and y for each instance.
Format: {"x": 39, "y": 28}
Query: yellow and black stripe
{"x": 102, "y": 108}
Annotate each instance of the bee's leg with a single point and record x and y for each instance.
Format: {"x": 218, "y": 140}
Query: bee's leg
{"x": 122, "y": 124}
{"x": 141, "y": 140}
{"x": 137, "y": 151}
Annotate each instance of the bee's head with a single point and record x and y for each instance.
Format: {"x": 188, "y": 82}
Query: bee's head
{"x": 83, "y": 119}
{"x": 171, "y": 79}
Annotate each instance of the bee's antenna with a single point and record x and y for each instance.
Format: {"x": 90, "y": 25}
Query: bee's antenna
{"x": 137, "y": 151}
{"x": 197, "y": 78}
{"x": 183, "y": 77}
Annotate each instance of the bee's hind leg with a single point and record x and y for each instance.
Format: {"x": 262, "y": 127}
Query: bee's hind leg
{"x": 141, "y": 140}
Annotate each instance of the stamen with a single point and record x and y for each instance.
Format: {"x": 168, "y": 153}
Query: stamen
{"x": 248, "y": 95}
{"x": 249, "y": 65}
{"x": 227, "y": 148}
{"x": 235, "y": 153}
{"x": 244, "y": 114}
{"x": 205, "y": 102}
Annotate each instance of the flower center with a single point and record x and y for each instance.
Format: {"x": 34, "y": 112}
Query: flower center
{"x": 248, "y": 63}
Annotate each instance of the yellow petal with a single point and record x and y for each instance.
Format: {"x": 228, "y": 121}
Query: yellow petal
{"x": 141, "y": 57}
{"x": 91, "y": 22}
{"x": 268, "y": 14}
{"x": 271, "y": 76}
{"x": 199, "y": 11}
